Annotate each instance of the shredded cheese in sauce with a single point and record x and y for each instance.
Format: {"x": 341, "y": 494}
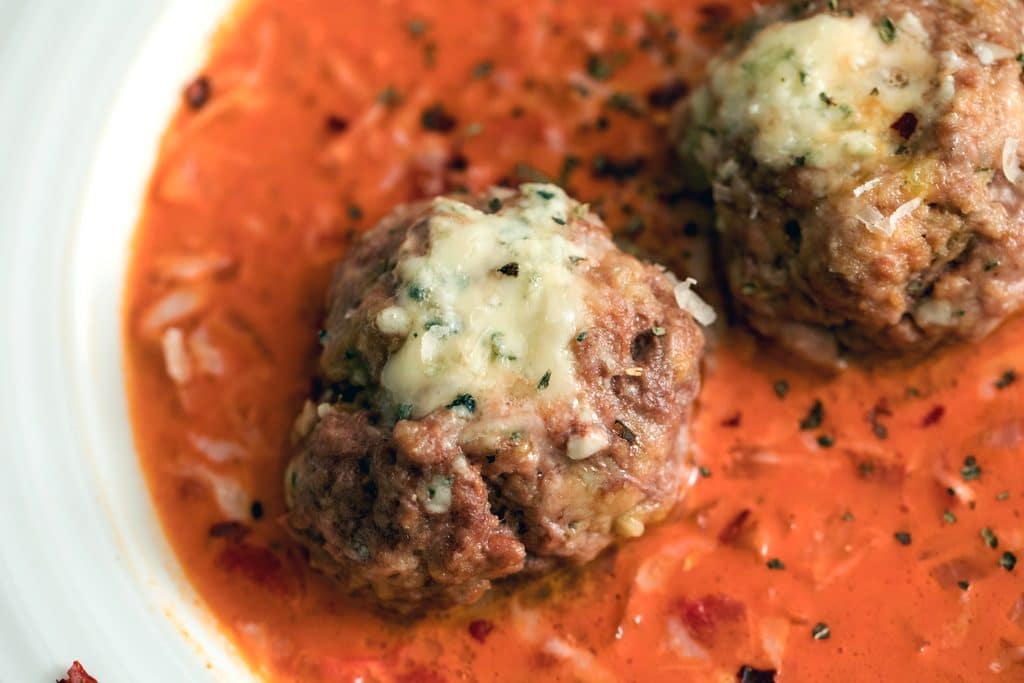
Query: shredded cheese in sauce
{"x": 492, "y": 307}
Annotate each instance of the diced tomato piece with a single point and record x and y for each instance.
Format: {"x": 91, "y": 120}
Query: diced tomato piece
{"x": 731, "y": 532}
{"x": 257, "y": 564}
{"x": 479, "y": 629}
{"x": 704, "y": 616}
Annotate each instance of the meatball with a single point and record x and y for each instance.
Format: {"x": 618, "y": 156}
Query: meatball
{"x": 508, "y": 391}
{"x": 864, "y": 160}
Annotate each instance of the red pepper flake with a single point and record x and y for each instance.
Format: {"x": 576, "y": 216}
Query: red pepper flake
{"x": 479, "y": 629}
{"x": 197, "y": 93}
{"x": 905, "y": 125}
{"x": 933, "y": 416}
{"x": 336, "y": 124}
{"x": 233, "y": 531}
{"x": 734, "y": 528}
{"x": 77, "y": 674}
{"x": 733, "y": 421}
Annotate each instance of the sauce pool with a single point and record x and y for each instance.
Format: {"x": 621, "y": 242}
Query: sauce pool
{"x": 863, "y": 526}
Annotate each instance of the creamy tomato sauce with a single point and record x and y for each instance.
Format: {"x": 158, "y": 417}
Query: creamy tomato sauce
{"x": 863, "y": 526}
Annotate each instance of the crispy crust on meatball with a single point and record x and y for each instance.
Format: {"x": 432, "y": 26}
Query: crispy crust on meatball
{"x": 927, "y": 246}
{"x": 426, "y": 511}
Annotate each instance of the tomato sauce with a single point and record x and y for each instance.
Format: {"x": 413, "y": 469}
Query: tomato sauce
{"x": 857, "y": 526}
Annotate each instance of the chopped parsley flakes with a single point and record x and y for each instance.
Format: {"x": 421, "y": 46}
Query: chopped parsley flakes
{"x": 971, "y": 469}
{"x": 463, "y": 401}
{"x": 602, "y": 68}
{"x": 418, "y": 293}
{"x": 886, "y": 30}
{"x": 437, "y": 119}
{"x": 482, "y": 69}
{"x": 1006, "y": 379}
{"x": 417, "y": 27}
{"x": 389, "y": 97}
{"x": 1008, "y": 561}
{"x": 814, "y": 417}
{"x": 625, "y": 432}
{"x": 781, "y": 388}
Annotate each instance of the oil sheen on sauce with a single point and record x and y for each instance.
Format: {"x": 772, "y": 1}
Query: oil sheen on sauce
{"x": 857, "y": 527}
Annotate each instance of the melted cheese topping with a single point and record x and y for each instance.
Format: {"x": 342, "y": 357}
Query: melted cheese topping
{"x": 825, "y": 91}
{"x": 491, "y": 309}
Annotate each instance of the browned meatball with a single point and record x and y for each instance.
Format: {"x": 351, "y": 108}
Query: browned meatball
{"x": 510, "y": 391}
{"x": 863, "y": 156}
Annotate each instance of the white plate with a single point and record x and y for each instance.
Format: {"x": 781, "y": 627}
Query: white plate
{"x": 86, "y": 88}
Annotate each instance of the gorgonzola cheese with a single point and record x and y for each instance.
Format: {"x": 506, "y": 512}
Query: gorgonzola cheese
{"x": 492, "y": 307}
{"x": 824, "y": 91}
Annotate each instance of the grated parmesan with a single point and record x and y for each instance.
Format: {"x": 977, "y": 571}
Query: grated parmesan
{"x": 582, "y": 446}
{"x": 877, "y": 223}
{"x": 690, "y": 301}
{"x": 872, "y": 218}
{"x": 902, "y": 212}
{"x": 861, "y": 189}
{"x": 1011, "y": 161}
{"x": 951, "y": 60}
{"x": 989, "y": 53}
